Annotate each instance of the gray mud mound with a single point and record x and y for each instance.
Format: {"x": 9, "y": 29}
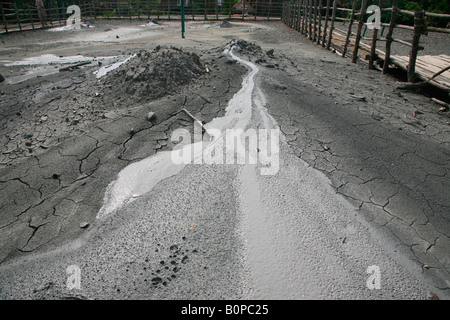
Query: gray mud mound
{"x": 153, "y": 74}
{"x": 250, "y": 49}
{"x": 225, "y": 24}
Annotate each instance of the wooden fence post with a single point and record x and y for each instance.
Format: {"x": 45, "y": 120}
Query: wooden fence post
{"x": 358, "y": 32}
{"x": 17, "y": 16}
{"x": 315, "y": 20}
{"x": 310, "y": 19}
{"x": 349, "y": 32}
{"x": 303, "y": 17}
{"x": 419, "y": 28}
{"x": 325, "y": 27}
{"x": 288, "y": 11}
{"x": 333, "y": 19}
{"x": 4, "y": 19}
{"x": 168, "y": 9}
{"x": 31, "y": 16}
{"x": 374, "y": 44}
{"x": 387, "y": 56}
{"x": 294, "y": 14}
{"x": 320, "y": 21}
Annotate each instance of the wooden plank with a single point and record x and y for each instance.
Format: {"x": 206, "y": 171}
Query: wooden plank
{"x": 435, "y": 60}
{"x": 432, "y": 63}
{"x": 445, "y": 57}
{"x": 428, "y": 64}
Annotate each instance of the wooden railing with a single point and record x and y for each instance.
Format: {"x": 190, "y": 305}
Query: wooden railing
{"x": 20, "y": 19}
{"x": 317, "y": 22}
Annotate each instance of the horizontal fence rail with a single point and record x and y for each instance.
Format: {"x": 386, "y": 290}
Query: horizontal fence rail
{"x": 27, "y": 17}
{"x": 315, "y": 19}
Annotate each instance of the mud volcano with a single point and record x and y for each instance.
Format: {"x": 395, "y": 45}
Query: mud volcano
{"x": 152, "y": 74}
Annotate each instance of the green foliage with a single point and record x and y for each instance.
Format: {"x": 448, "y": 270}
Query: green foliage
{"x": 436, "y": 6}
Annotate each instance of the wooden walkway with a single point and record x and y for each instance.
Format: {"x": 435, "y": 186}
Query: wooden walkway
{"x": 307, "y": 18}
{"x": 427, "y": 66}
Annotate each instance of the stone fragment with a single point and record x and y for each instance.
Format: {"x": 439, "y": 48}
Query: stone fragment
{"x": 84, "y": 225}
{"x": 150, "y": 116}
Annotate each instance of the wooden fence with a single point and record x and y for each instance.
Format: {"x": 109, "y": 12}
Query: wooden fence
{"x": 20, "y": 19}
{"x": 316, "y": 21}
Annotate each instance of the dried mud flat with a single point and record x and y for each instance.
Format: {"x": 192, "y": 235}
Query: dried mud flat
{"x": 65, "y": 135}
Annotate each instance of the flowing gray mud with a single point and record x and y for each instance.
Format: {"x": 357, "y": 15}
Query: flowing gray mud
{"x": 225, "y": 231}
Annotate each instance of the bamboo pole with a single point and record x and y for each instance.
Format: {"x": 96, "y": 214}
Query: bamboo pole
{"x": 333, "y": 19}
{"x": 387, "y": 56}
{"x": 358, "y": 32}
{"x": 419, "y": 17}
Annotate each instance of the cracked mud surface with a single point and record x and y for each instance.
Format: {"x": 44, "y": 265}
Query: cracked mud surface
{"x": 66, "y": 136}
{"x": 389, "y": 160}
